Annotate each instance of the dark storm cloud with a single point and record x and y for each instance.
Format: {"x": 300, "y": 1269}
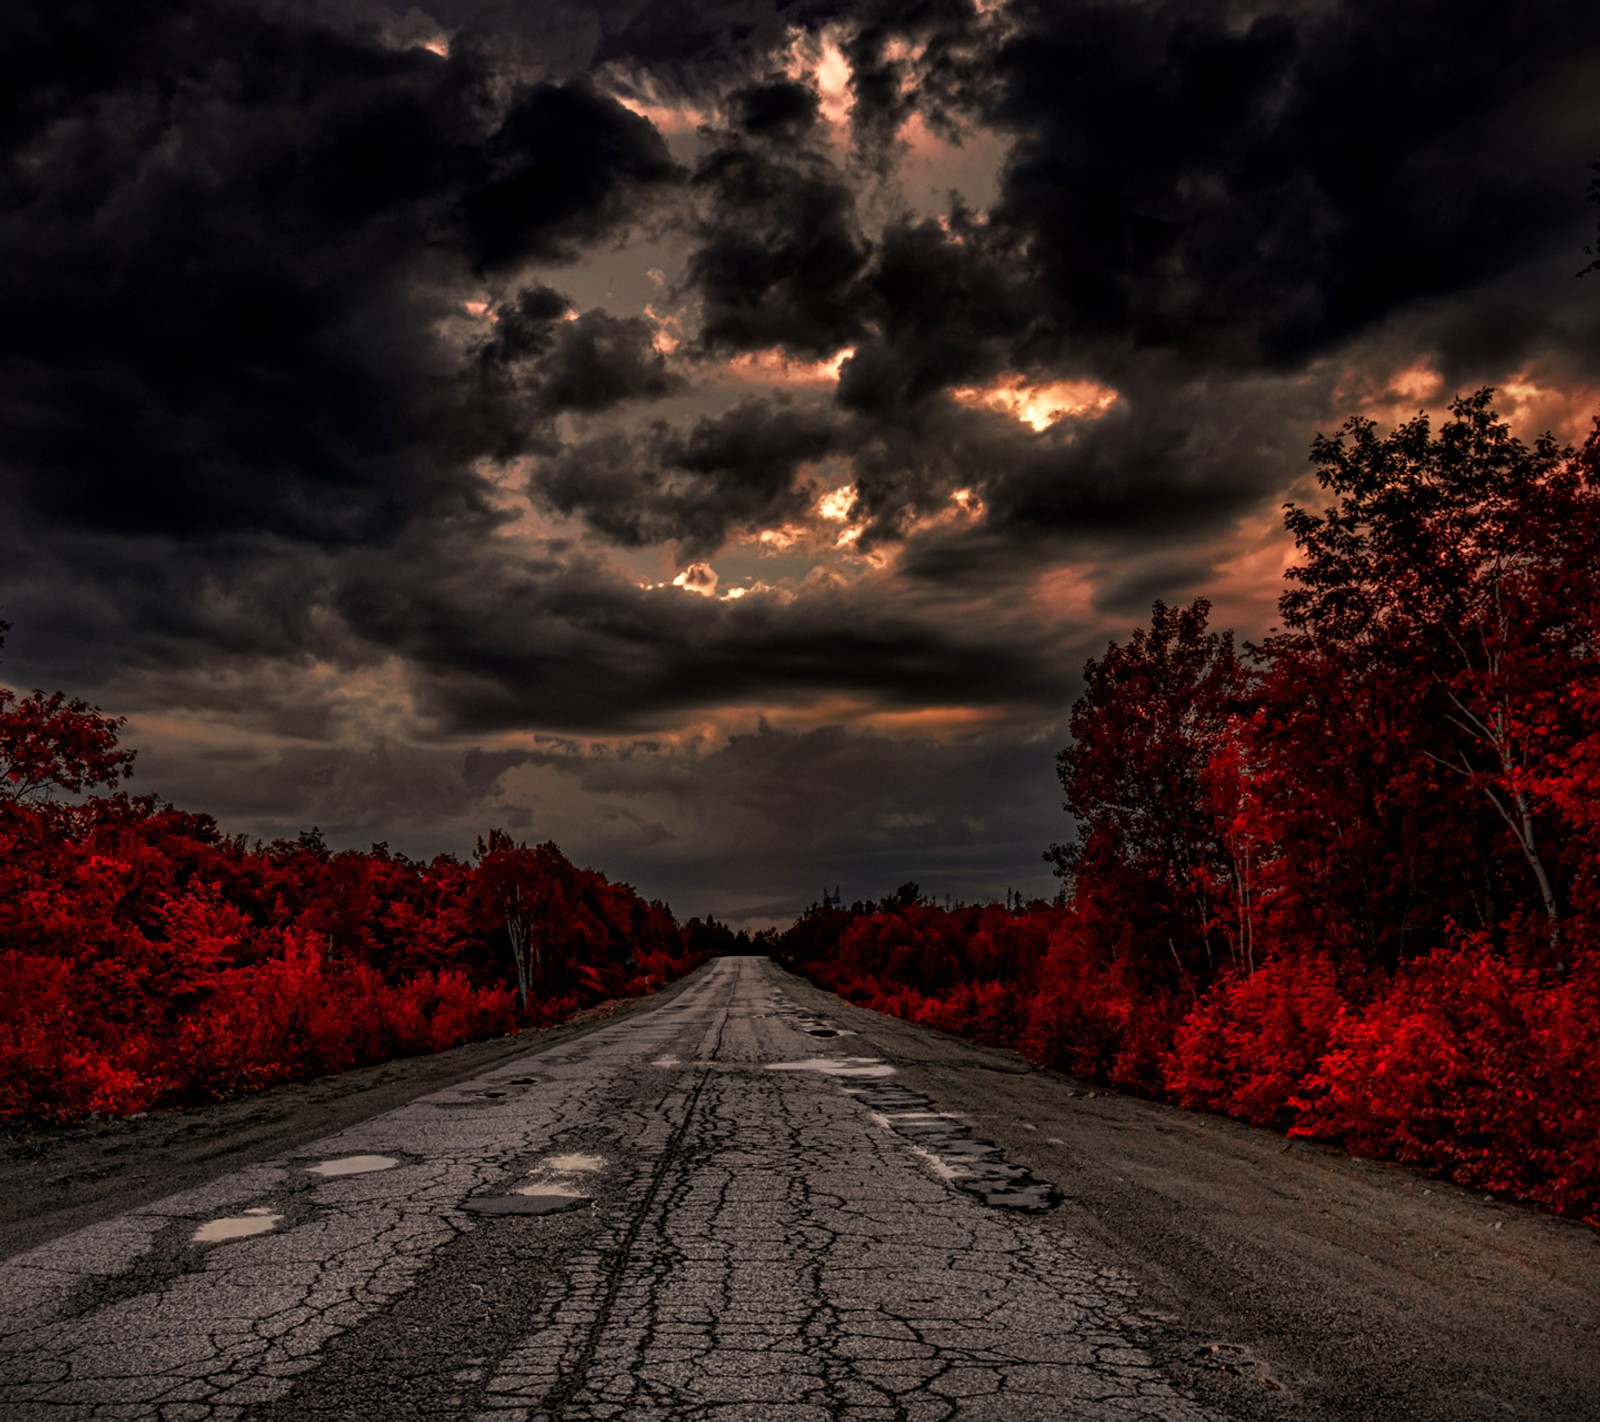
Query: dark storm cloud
{"x": 779, "y": 109}
{"x": 1251, "y": 187}
{"x": 782, "y": 252}
{"x": 569, "y": 646}
{"x": 1165, "y": 458}
{"x": 564, "y": 167}
{"x": 223, "y": 284}
{"x": 789, "y": 810}
{"x": 251, "y": 407}
{"x": 954, "y": 45}
{"x": 398, "y": 793}
{"x": 587, "y": 363}
{"x": 948, "y": 309}
{"x": 733, "y": 473}
{"x": 1195, "y": 199}
{"x": 234, "y": 242}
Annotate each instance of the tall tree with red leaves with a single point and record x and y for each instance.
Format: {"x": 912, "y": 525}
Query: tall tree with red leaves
{"x": 1153, "y": 715}
{"x": 1419, "y": 694}
{"x": 50, "y": 743}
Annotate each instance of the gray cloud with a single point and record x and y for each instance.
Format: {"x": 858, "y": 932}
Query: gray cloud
{"x": 733, "y": 473}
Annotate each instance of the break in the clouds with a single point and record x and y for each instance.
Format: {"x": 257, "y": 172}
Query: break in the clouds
{"x": 714, "y": 436}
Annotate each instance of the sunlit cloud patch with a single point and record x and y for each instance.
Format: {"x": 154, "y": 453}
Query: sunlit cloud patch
{"x": 1039, "y": 405}
{"x": 775, "y": 367}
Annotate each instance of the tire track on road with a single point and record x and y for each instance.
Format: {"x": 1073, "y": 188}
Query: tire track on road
{"x": 574, "y": 1379}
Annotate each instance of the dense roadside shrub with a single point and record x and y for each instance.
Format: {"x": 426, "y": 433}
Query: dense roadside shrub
{"x": 1473, "y": 1067}
{"x": 1471, "y": 1062}
{"x": 1249, "y": 1045}
{"x": 147, "y": 959}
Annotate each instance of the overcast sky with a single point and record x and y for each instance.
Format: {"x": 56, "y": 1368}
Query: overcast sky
{"x": 713, "y": 436}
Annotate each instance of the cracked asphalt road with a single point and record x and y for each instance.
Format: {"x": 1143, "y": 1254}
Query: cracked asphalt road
{"x": 747, "y": 1199}
{"x": 715, "y": 1209}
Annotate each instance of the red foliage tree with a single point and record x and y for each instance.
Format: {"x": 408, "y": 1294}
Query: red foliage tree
{"x": 145, "y": 957}
{"x": 1152, "y": 718}
{"x": 1418, "y": 697}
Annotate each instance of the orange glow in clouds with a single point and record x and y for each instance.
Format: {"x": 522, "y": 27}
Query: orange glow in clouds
{"x": 697, "y": 578}
{"x": 1531, "y": 401}
{"x": 837, "y": 504}
{"x": 1039, "y": 406}
{"x": 773, "y": 367}
{"x": 819, "y": 60}
{"x": 639, "y": 92}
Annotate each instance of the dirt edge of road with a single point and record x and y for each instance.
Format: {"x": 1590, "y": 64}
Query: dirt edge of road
{"x": 54, "y": 1180}
{"x": 1328, "y": 1286}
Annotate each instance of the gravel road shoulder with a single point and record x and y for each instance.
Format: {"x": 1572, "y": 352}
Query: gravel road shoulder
{"x": 1361, "y": 1289}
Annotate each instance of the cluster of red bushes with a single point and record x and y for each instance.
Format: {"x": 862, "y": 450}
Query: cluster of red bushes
{"x": 1470, "y": 1061}
{"x": 1347, "y": 884}
{"x": 146, "y": 958}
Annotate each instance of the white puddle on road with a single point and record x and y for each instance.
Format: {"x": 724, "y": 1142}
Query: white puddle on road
{"x": 354, "y": 1165}
{"x": 571, "y": 1164}
{"x": 552, "y": 1176}
{"x": 251, "y": 1222}
{"x": 940, "y": 1167}
{"x": 837, "y": 1066}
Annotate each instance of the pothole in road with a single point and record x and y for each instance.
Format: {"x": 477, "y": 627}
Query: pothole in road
{"x": 553, "y": 1188}
{"x": 953, "y": 1153}
{"x": 353, "y": 1165}
{"x": 813, "y": 1024}
{"x": 837, "y": 1066}
{"x": 572, "y": 1164}
{"x": 243, "y": 1226}
{"x": 544, "y": 1202}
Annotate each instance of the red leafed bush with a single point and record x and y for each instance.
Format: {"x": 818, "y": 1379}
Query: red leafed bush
{"x": 1248, "y": 1046}
{"x": 452, "y": 1011}
{"x": 1477, "y": 1068}
{"x": 983, "y": 1012}
{"x": 147, "y": 959}
{"x": 1075, "y": 1020}
{"x": 1094, "y": 1018}
{"x": 52, "y": 1067}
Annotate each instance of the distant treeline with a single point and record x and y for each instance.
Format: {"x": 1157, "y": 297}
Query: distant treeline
{"x": 1345, "y": 884}
{"x": 148, "y": 959}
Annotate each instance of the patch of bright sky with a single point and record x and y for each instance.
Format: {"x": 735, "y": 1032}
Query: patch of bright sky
{"x": 818, "y": 59}
{"x": 677, "y": 118}
{"x": 931, "y": 167}
{"x": 1039, "y": 404}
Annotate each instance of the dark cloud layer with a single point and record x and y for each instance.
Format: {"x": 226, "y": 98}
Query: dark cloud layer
{"x": 222, "y": 283}
{"x": 735, "y": 473}
{"x": 782, "y": 251}
{"x": 301, "y": 433}
{"x": 1251, "y": 186}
